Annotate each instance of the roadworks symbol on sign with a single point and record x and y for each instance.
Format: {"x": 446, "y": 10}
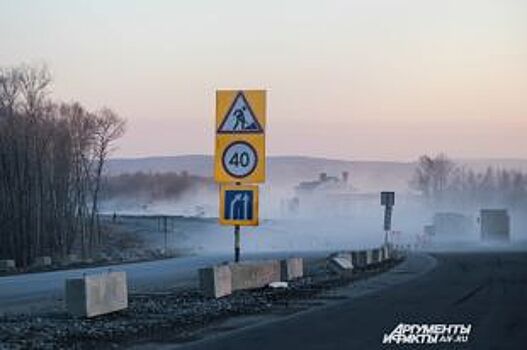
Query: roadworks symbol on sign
{"x": 240, "y": 118}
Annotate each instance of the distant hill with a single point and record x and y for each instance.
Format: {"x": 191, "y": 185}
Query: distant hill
{"x": 194, "y": 164}
{"x": 289, "y": 170}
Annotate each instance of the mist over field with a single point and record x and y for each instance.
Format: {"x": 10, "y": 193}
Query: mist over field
{"x": 331, "y": 218}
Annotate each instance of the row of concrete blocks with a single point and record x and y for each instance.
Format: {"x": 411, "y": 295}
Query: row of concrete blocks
{"x": 347, "y": 261}
{"x": 221, "y": 280}
{"x": 9, "y": 265}
{"x": 103, "y": 293}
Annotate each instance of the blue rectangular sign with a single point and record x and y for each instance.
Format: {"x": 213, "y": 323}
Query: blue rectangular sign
{"x": 238, "y": 205}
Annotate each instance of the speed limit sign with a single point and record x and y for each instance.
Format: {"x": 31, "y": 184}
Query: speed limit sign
{"x": 240, "y": 136}
{"x": 239, "y": 159}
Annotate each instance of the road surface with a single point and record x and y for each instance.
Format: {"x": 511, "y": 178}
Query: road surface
{"x": 39, "y": 291}
{"x": 486, "y": 290}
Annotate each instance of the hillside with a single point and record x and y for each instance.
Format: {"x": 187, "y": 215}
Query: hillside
{"x": 281, "y": 170}
{"x": 289, "y": 170}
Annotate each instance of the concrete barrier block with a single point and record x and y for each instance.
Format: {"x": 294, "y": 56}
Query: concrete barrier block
{"x": 73, "y": 258}
{"x": 95, "y": 295}
{"x": 345, "y": 255}
{"x": 359, "y": 258}
{"x": 103, "y": 257}
{"x": 42, "y": 261}
{"x": 376, "y": 255}
{"x": 69, "y": 260}
{"x": 279, "y": 285}
{"x": 7, "y": 265}
{"x": 386, "y": 252}
{"x": 216, "y": 281}
{"x": 291, "y": 268}
{"x": 381, "y": 254}
{"x": 257, "y": 274}
{"x": 340, "y": 265}
{"x": 395, "y": 252}
{"x": 369, "y": 257}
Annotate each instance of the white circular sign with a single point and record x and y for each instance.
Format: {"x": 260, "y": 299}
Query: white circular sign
{"x": 239, "y": 159}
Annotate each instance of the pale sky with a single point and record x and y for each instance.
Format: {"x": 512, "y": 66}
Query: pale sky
{"x": 368, "y": 79}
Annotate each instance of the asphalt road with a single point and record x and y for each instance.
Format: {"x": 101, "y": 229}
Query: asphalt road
{"x": 41, "y": 291}
{"x": 486, "y": 290}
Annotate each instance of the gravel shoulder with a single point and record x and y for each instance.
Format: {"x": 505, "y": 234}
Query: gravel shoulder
{"x": 183, "y": 316}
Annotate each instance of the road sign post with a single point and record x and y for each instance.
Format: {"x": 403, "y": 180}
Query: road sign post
{"x": 239, "y": 158}
{"x": 236, "y": 243}
{"x": 388, "y": 201}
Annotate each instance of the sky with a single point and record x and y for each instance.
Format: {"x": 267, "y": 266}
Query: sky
{"x": 351, "y": 79}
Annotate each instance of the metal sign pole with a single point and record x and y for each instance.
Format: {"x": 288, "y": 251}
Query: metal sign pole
{"x": 236, "y": 243}
{"x": 388, "y": 201}
{"x": 387, "y": 222}
{"x": 237, "y": 238}
{"x": 165, "y": 224}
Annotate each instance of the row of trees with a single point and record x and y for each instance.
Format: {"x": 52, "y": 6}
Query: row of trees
{"x": 443, "y": 182}
{"x": 52, "y": 157}
{"x": 154, "y": 186}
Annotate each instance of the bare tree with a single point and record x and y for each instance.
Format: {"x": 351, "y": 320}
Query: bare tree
{"x": 34, "y": 82}
{"x": 9, "y": 90}
{"x": 109, "y": 127}
{"x": 51, "y": 160}
{"x": 442, "y": 182}
{"x": 432, "y": 175}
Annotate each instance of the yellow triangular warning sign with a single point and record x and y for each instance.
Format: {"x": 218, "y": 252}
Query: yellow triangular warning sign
{"x": 240, "y": 118}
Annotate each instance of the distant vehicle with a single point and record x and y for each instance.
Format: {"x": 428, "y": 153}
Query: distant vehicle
{"x": 495, "y": 225}
{"x": 450, "y": 225}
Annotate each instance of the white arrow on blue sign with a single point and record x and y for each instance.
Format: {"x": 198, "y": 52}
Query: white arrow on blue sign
{"x": 239, "y": 205}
